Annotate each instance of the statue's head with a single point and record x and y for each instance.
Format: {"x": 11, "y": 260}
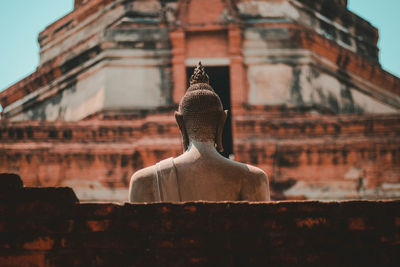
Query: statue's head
{"x": 200, "y": 116}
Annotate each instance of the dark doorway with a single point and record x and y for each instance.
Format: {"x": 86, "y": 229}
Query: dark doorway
{"x": 220, "y": 82}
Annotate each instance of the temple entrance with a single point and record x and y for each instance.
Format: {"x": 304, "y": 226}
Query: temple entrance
{"x": 219, "y": 80}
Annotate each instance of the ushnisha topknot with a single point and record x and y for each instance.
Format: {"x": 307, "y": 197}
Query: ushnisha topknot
{"x": 199, "y": 79}
{"x": 199, "y": 75}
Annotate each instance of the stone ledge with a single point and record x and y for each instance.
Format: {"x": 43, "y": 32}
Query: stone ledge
{"x": 10, "y": 181}
{"x": 12, "y": 192}
{"x": 199, "y": 233}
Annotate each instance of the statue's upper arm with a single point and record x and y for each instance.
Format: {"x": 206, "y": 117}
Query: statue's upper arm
{"x": 264, "y": 194}
{"x": 141, "y": 186}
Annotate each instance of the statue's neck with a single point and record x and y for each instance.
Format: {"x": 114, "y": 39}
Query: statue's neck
{"x": 197, "y": 149}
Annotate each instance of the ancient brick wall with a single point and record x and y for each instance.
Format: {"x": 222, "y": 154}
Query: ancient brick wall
{"x": 96, "y": 158}
{"x": 322, "y": 156}
{"x": 48, "y": 227}
{"x": 305, "y": 156}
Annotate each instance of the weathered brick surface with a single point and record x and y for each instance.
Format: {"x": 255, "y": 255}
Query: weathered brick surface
{"x": 322, "y": 157}
{"x": 305, "y": 156}
{"x": 95, "y": 157}
{"x": 354, "y": 233}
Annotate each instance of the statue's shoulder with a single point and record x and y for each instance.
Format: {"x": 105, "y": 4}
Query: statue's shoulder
{"x": 143, "y": 174}
{"x": 141, "y": 185}
{"x": 255, "y": 186}
{"x": 257, "y": 172}
{"x": 251, "y": 171}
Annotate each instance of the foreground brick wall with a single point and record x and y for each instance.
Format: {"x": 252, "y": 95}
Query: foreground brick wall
{"x": 48, "y": 227}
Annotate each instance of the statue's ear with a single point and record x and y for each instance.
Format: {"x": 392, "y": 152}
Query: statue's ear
{"x": 182, "y": 128}
{"x": 220, "y": 128}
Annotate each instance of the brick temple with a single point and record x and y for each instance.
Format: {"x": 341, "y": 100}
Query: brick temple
{"x": 309, "y": 102}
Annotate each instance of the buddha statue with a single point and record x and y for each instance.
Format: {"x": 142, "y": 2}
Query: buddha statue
{"x": 200, "y": 173}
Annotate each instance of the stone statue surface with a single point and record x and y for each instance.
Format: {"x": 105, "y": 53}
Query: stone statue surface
{"x": 200, "y": 173}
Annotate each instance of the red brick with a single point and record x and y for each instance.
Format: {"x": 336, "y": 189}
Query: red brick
{"x": 31, "y": 259}
{"x": 311, "y": 222}
{"x": 357, "y": 224}
{"x": 98, "y": 226}
{"x": 41, "y": 243}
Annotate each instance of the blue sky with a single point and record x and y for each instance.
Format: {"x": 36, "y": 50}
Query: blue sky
{"x": 22, "y": 20}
